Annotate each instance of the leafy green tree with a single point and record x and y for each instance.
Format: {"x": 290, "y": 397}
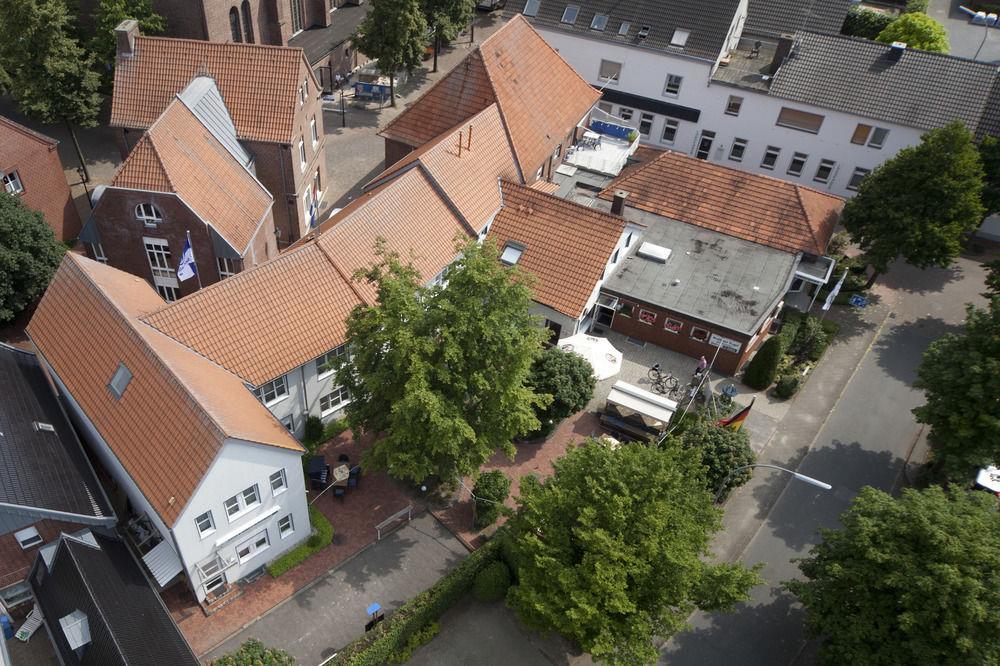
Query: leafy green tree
{"x": 916, "y": 6}
{"x": 920, "y": 204}
{"x": 914, "y": 580}
{"x": 108, "y": 14}
{"x": 47, "y": 72}
{"x": 491, "y": 490}
{"x": 960, "y": 376}
{"x": 918, "y": 31}
{"x": 446, "y": 18}
{"x": 29, "y": 256}
{"x": 255, "y": 653}
{"x": 989, "y": 152}
{"x": 439, "y": 372}
{"x": 763, "y": 367}
{"x": 992, "y": 278}
{"x": 865, "y": 22}
{"x": 613, "y": 549}
{"x": 394, "y": 32}
{"x": 565, "y": 376}
{"x": 722, "y": 450}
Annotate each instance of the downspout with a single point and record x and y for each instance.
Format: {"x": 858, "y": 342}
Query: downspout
{"x": 305, "y": 401}
{"x": 288, "y": 212}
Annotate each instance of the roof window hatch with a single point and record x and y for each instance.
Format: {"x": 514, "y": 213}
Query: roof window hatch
{"x": 511, "y": 253}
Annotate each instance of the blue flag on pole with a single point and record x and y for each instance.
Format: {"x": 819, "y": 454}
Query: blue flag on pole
{"x": 186, "y": 269}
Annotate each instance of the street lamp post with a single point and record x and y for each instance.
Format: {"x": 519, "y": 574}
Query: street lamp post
{"x": 800, "y": 477}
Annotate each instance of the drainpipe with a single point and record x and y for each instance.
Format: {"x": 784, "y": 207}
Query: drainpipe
{"x": 292, "y": 237}
{"x": 305, "y": 401}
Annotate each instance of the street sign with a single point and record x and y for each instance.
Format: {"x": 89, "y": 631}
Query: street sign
{"x": 858, "y": 301}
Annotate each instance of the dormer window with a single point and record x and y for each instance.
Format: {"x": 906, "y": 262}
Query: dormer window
{"x": 680, "y": 37}
{"x": 570, "y": 14}
{"x": 600, "y": 22}
{"x": 511, "y": 253}
{"x": 148, "y": 214}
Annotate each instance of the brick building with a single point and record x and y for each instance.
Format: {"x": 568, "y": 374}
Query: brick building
{"x": 187, "y": 175}
{"x": 30, "y": 169}
{"x": 271, "y": 95}
{"x": 541, "y": 101}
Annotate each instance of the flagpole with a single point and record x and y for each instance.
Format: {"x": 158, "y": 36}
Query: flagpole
{"x": 197, "y": 273}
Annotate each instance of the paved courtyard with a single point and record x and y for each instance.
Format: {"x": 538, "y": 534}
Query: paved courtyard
{"x": 965, "y": 38}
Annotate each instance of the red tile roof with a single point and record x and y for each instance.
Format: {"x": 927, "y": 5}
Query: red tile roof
{"x": 258, "y": 83}
{"x": 754, "y": 207}
{"x": 179, "y": 154}
{"x": 566, "y": 246}
{"x": 174, "y": 415}
{"x": 540, "y": 97}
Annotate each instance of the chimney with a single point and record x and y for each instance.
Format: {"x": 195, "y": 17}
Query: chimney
{"x": 896, "y": 51}
{"x": 784, "y": 48}
{"x": 618, "y": 202}
{"x": 125, "y": 35}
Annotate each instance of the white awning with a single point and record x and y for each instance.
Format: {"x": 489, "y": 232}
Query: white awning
{"x": 163, "y": 563}
{"x": 644, "y": 402}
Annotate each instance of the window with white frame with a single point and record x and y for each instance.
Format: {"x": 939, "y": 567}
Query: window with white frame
{"x": 699, "y": 334}
{"x": 12, "y": 182}
{"x": 797, "y": 164}
{"x": 599, "y": 23}
{"x": 97, "y": 250}
{"x": 302, "y": 155}
{"x": 531, "y": 7}
{"x": 670, "y": 130}
{"x": 168, "y": 293}
{"x": 215, "y": 583}
{"x": 605, "y": 107}
{"x": 623, "y": 28}
{"x": 245, "y": 500}
{"x": 646, "y": 123}
{"x": 273, "y": 391}
{"x": 28, "y": 537}
{"x": 733, "y": 105}
{"x": 278, "y": 481}
{"x": 570, "y": 14}
{"x": 205, "y": 523}
{"x": 289, "y": 423}
{"x": 148, "y": 214}
{"x": 738, "y": 150}
{"x": 297, "y": 13}
{"x": 609, "y": 71}
{"x": 314, "y": 131}
{"x": 672, "y": 325}
{"x": 770, "y": 157}
{"x": 286, "y": 526}
{"x": 859, "y": 175}
{"x": 334, "y": 400}
{"x": 625, "y": 113}
{"x": 799, "y": 120}
{"x": 680, "y": 37}
{"x": 227, "y": 267}
{"x": 873, "y": 137}
{"x": 824, "y": 171}
{"x": 673, "y": 85}
{"x": 158, "y": 254}
{"x": 327, "y": 363}
{"x": 253, "y": 546}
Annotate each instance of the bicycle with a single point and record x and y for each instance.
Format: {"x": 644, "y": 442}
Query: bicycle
{"x": 664, "y": 383}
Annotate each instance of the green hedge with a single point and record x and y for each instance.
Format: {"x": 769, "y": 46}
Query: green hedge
{"x": 867, "y": 23}
{"x": 299, "y": 554}
{"x": 491, "y": 583}
{"x": 393, "y": 634}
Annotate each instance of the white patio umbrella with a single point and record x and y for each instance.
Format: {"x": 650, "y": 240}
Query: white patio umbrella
{"x": 599, "y": 352}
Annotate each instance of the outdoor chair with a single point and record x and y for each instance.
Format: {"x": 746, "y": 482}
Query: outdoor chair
{"x": 344, "y": 458}
{"x": 352, "y": 480}
{"x": 339, "y": 492}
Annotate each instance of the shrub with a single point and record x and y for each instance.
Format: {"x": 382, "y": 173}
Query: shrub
{"x": 722, "y": 450}
{"x": 917, "y": 31}
{"x": 421, "y": 637}
{"x": 392, "y": 635}
{"x": 313, "y": 431}
{"x": 763, "y": 366}
{"x": 491, "y": 583}
{"x": 810, "y": 341}
{"x": 790, "y": 322}
{"x": 788, "y": 385}
{"x": 296, "y": 556}
{"x": 565, "y": 376}
{"x": 491, "y": 490}
{"x": 917, "y": 6}
{"x": 866, "y": 23}
{"x": 838, "y": 243}
{"x": 334, "y": 428}
{"x": 255, "y": 653}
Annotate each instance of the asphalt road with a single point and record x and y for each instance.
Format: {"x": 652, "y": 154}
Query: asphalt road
{"x": 864, "y": 441}
{"x": 967, "y": 40}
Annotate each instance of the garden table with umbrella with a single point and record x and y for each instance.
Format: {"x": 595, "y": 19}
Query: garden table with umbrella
{"x": 599, "y": 352}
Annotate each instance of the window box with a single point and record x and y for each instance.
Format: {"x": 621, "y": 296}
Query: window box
{"x": 699, "y": 334}
{"x": 647, "y": 317}
{"x": 672, "y": 325}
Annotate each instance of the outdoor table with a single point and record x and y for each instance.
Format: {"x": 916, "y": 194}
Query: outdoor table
{"x": 340, "y": 475}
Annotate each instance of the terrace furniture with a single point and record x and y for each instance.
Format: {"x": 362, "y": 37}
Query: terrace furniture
{"x": 319, "y": 472}
{"x": 339, "y": 491}
{"x": 344, "y": 458}
{"x": 31, "y": 625}
{"x": 355, "y": 476}
{"x": 341, "y": 474}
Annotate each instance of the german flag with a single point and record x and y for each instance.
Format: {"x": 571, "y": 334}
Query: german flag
{"x": 736, "y": 420}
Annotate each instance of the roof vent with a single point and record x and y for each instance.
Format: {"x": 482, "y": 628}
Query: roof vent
{"x": 896, "y": 50}
{"x": 653, "y": 252}
{"x": 42, "y": 427}
{"x": 644, "y": 32}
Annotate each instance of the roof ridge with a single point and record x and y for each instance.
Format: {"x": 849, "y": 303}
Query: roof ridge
{"x": 809, "y": 220}
{"x": 220, "y": 45}
{"x": 503, "y": 116}
{"x": 872, "y": 42}
{"x": 18, "y": 127}
{"x": 333, "y": 264}
{"x": 90, "y": 592}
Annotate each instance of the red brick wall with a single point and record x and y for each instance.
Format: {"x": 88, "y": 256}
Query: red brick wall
{"x": 41, "y": 173}
{"x": 185, "y": 18}
{"x": 726, "y": 362}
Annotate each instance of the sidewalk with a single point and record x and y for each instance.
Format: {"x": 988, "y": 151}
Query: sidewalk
{"x": 329, "y": 613}
{"x": 748, "y": 506}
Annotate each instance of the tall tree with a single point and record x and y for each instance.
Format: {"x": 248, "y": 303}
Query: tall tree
{"x": 920, "y": 204}
{"x": 722, "y": 450}
{"x": 960, "y": 376}
{"x": 989, "y": 151}
{"x": 108, "y": 15}
{"x": 914, "y": 580}
{"x": 48, "y": 73}
{"x": 565, "y": 376}
{"x": 918, "y": 31}
{"x": 612, "y": 550}
{"x": 446, "y": 18}
{"x": 394, "y": 32}
{"x": 29, "y": 255}
{"x": 439, "y": 372}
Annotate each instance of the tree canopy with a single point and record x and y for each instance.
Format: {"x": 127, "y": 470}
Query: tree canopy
{"x": 565, "y": 376}
{"x": 960, "y": 376}
{"x": 914, "y": 580}
{"x": 255, "y": 653}
{"x": 921, "y": 203}
{"x": 395, "y": 33}
{"x": 721, "y": 450}
{"x": 918, "y": 31}
{"x": 612, "y": 549}
{"x": 108, "y": 14}
{"x": 989, "y": 151}
{"x": 439, "y": 372}
{"x": 29, "y": 256}
{"x": 448, "y": 17}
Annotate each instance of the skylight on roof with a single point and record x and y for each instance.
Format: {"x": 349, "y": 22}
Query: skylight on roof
{"x": 680, "y": 37}
{"x": 624, "y": 28}
{"x": 41, "y": 426}
{"x": 76, "y": 628}
{"x": 531, "y": 7}
{"x": 511, "y": 253}
{"x": 120, "y": 380}
{"x": 570, "y": 14}
{"x": 600, "y": 22}
{"x": 644, "y": 32}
